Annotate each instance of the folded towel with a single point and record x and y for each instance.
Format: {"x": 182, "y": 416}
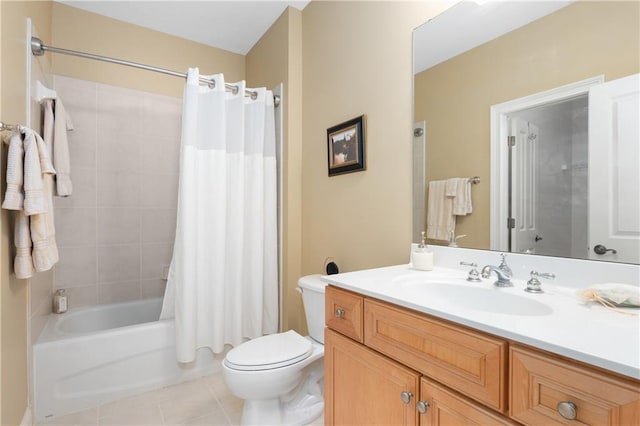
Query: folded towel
{"x": 462, "y": 200}
{"x": 61, "y": 159}
{"x": 452, "y": 187}
{"x": 440, "y": 219}
{"x": 14, "y": 195}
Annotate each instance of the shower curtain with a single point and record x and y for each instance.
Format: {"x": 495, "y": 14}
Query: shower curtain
{"x": 223, "y": 285}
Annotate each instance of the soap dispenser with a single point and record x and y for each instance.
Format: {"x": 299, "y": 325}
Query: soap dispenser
{"x": 421, "y": 257}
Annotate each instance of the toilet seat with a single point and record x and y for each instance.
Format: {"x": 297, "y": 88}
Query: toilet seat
{"x": 269, "y": 352}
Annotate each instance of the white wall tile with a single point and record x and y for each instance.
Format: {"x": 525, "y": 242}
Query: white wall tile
{"x": 40, "y": 289}
{"x": 159, "y": 191}
{"x": 154, "y": 257}
{"x": 152, "y": 288}
{"x": 118, "y": 226}
{"x": 75, "y": 226}
{"x": 161, "y": 117}
{"x": 158, "y": 225}
{"x": 84, "y": 184}
{"x": 125, "y": 158}
{"x": 119, "y": 109}
{"x": 77, "y": 267}
{"x": 82, "y": 296}
{"x": 118, "y": 263}
{"x": 118, "y": 150}
{"x": 118, "y": 292}
{"x": 83, "y": 146}
{"x": 159, "y": 154}
{"x": 118, "y": 189}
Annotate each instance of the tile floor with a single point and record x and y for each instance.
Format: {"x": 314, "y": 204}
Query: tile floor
{"x": 205, "y": 401}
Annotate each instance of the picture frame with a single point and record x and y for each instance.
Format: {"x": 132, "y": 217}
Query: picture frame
{"x": 345, "y": 147}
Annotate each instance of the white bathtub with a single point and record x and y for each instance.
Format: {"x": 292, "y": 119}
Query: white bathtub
{"x": 93, "y": 355}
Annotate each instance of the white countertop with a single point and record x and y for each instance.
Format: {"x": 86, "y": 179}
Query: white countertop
{"x": 566, "y": 326}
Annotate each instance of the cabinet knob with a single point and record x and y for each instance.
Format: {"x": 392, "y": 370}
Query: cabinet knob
{"x": 567, "y": 409}
{"x": 339, "y": 313}
{"x": 406, "y": 396}
{"x": 422, "y": 407}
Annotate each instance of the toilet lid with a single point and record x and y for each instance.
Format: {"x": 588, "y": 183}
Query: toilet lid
{"x": 268, "y": 352}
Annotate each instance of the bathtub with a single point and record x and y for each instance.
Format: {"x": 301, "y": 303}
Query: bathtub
{"x": 90, "y": 356}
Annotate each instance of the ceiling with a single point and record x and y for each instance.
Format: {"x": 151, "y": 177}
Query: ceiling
{"x": 235, "y": 26}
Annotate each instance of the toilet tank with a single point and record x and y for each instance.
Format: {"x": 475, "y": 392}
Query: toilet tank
{"x": 312, "y": 288}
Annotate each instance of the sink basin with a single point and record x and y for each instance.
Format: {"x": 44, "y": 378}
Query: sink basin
{"x": 493, "y": 300}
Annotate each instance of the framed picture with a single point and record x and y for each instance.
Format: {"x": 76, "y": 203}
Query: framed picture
{"x": 345, "y": 146}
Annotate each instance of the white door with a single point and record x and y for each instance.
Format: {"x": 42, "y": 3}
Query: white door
{"x": 523, "y": 174}
{"x": 614, "y": 161}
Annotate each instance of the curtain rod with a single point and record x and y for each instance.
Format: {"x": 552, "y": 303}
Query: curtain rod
{"x": 38, "y": 48}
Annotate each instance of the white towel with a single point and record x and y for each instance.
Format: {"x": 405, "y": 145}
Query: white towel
{"x": 452, "y": 187}
{"x": 23, "y": 262}
{"x": 34, "y": 233}
{"x": 462, "y": 200}
{"x": 61, "y": 159}
{"x": 36, "y": 165}
{"x": 440, "y": 219}
{"x": 14, "y": 195}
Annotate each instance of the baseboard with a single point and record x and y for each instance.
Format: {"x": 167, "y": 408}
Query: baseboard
{"x": 27, "y": 419}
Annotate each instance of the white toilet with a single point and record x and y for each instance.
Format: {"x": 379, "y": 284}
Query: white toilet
{"x": 281, "y": 376}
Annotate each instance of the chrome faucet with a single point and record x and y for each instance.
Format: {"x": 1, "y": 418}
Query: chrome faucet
{"x": 503, "y": 272}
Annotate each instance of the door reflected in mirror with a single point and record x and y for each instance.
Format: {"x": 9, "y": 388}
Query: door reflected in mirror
{"x": 565, "y": 182}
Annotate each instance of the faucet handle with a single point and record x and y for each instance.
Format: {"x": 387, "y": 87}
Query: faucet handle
{"x": 504, "y": 267}
{"x": 534, "y": 285}
{"x": 474, "y": 275}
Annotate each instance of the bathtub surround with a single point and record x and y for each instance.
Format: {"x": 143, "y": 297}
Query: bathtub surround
{"x": 223, "y": 281}
{"x": 115, "y": 233}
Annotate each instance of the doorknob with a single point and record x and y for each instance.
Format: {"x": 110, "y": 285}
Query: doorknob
{"x": 538, "y": 238}
{"x": 600, "y": 249}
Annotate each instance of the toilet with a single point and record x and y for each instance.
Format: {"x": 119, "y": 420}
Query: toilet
{"x": 281, "y": 376}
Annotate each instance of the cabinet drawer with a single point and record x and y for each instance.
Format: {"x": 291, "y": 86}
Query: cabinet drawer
{"x": 343, "y": 312}
{"x": 448, "y": 408}
{"x": 467, "y": 361}
{"x": 540, "y": 382}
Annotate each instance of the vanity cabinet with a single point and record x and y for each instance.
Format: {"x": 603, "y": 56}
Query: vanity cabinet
{"x": 395, "y": 366}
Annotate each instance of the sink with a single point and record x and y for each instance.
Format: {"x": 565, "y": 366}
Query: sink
{"x": 493, "y": 300}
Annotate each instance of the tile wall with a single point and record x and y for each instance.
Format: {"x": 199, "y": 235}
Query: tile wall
{"x": 115, "y": 233}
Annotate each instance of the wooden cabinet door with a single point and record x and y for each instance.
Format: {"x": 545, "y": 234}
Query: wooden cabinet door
{"x": 365, "y": 388}
{"x": 445, "y": 407}
{"x": 540, "y": 383}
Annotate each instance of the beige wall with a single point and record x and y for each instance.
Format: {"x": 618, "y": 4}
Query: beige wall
{"x": 13, "y": 292}
{"x": 580, "y": 41}
{"x": 277, "y": 58}
{"x": 357, "y": 60}
{"x": 77, "y": 29}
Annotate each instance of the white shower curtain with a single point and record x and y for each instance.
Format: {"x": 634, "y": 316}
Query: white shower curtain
{"x": 223, "y": 285}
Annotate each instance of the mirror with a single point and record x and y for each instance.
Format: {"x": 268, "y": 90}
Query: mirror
{"x": 484, "y": 71}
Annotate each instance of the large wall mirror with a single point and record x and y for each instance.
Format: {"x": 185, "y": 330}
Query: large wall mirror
{"x": 540, "y": 101}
